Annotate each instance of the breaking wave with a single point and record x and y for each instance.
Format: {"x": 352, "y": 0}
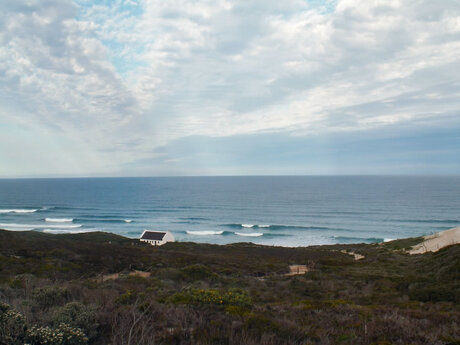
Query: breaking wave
{"x": 18, "y": 210}
{"x": 204, "y": 233}
{"x": 63, "y": 231}
{"x": 59, "y": 220}
{"x": 26, "y": 227}
{"x": 281, "y": 227}
{"x": 251, "y": 234}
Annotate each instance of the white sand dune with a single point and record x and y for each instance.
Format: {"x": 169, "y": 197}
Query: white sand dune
{"x": 435, "y": 242}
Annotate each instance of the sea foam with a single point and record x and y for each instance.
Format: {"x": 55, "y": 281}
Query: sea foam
{"x": 251, "y": 234}
{"x": 59, "y": 220}
{"x": 17, "y": 211}
{"x": 63, "y": 231}
{"x": 204, "y": 233}
{"x": 13, "y": 226}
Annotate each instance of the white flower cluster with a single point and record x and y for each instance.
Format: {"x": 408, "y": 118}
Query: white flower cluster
{"x": 62, "y": 335}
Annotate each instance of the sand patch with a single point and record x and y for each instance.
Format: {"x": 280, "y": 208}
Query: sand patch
{"x": 142, "y": 274}
{"x": 437, "y": 241}
{"x": 110, "y": 276}
{"x": 115, "y": 276}
{"x": 356, "y": 256}
{"x": 297, "y": 270}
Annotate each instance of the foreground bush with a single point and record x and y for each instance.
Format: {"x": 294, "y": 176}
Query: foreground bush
{"x": 79, "y": 315}
{"x": 12, "y": 326}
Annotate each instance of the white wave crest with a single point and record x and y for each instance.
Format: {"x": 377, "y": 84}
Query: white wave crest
{"x": 15, "y": 228}
{"x": 128, "y": 221}
{"x": 263, "y": 226}
{"x": 63, "y": 231}
{"x": 204, "y": 233}
{"x": 388, "y": 239}
{"x": 247, "y": 225}
{"x": 17, "y": 211}
{"x": 251, "y": 234}
{"x": 59, "y": 220}
{"x": 12, "y": 226}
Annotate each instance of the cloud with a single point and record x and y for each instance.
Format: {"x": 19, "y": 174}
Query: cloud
{"x": 115, "y": 80}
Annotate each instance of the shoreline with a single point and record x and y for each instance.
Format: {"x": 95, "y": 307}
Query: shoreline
{"x": 428, "y": 243}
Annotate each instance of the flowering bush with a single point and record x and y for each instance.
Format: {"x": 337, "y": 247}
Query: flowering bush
{"x": 62, "y": 335}
{"x": 76, "y": 314}
{"x": 12, "y": 326}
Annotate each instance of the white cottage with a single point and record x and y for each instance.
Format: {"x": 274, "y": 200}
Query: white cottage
{"x": 156, "y": 238}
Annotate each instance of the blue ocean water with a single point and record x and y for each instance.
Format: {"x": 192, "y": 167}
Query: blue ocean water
{"x": 286, "y": 211}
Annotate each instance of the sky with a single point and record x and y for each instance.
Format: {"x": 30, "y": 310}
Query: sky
{"x": 217, "y": 87}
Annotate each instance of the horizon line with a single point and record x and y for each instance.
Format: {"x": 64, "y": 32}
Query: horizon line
{"x": 203, "y": 176}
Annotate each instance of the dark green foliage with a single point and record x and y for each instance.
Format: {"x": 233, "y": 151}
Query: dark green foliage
{"x": 197, "y": 272}
{"x": 129, "y": 297}
{"x": 405, "y": 243}
{"x": 78, "y": 315}
{"x": 50, "y": 296}
{"x": 12, "y": 326}
{"x": 234, "y": 297}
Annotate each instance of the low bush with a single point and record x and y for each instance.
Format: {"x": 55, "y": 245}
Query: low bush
{"x": 50, "y": 296}
{"x": 197, "y": 272}
{"x": 79, "y": 315}
{"x": 61, "y": 335}
{"x": 234, "y": 297}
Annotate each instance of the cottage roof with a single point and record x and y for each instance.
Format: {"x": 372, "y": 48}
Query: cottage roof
{"x": 153, "y": 235}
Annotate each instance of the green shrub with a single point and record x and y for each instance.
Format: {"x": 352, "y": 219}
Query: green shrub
{"x": 234, "y": 297}
{"x": 197, "y": 272}
{"x": 62, "y": 335}
{"x": 50, "y": 296}
{"x": 261, "y": 324}
{"x": 171, "y": 274}
{"x": 129, "y": 297}
{"x": 12, "y": 326}
{"x": 434, "y": 294}
{"x": 236, "y": 310}
{"x": 76, "y": 314}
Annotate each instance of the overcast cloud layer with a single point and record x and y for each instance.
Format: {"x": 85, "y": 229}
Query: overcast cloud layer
{"x": 153, "y": 87}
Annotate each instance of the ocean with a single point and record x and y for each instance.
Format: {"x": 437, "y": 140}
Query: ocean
{"x": 284, "y": 211}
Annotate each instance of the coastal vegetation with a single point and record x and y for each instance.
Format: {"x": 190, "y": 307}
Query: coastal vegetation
{"x": 101, "y": 288}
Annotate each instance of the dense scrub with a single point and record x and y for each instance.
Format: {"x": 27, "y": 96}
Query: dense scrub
{"x": 233, "y": 294}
